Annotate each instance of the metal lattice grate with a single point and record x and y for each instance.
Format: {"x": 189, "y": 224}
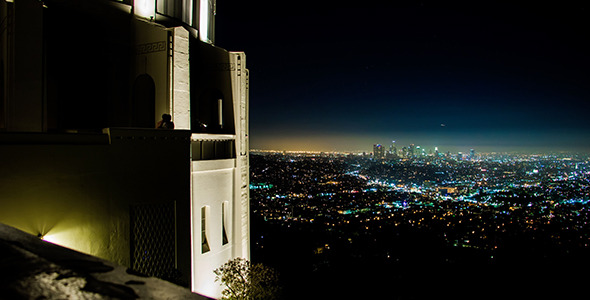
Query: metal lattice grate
{"x": 153, "y": 239}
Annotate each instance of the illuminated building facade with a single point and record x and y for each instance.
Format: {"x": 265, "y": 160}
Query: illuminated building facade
{"x": 82, "y": 86}
{"x": 378, "y": 151}
{"x": 393, "y": 149}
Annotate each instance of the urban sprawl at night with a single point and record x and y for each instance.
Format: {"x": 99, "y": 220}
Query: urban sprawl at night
{"x": 451, "y": 222}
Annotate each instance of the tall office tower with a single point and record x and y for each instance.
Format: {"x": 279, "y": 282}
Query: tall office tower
{"x": 404, "y": 152}
{"x": 411, "y": 150}
{"x": 471, "y": 154}
{"x": 419, "y": 151}
{"x": 378, "y": 151}
{"x": 393, "y": 149}
{"x": 83, "y": 86}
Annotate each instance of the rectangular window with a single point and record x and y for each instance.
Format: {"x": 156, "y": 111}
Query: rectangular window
{"x": 224, "y": 208}
{"x": 204, "y": 242}
{"x": 220, "y": 112}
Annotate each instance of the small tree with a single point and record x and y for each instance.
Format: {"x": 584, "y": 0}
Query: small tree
{"x": 247, "y": 281}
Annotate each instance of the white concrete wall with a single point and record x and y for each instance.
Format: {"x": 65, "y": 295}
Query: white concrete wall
{"x": 180, "y": 79}
{"x": 212, "y": 184}
{"x": 239, "y": 78}
{"x": 223, "y": 180}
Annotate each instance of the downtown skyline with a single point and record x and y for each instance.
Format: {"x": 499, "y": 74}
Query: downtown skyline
{"x": 500, "y": 77}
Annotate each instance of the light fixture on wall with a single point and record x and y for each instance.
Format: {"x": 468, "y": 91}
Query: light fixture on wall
{"x": 145, "y": 8}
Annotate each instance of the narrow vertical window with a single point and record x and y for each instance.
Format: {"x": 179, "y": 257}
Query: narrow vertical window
{"x": 220, "y": 111}
{"x": 204, "y": 11}
{"x": 224, "y": 239}
{"x": 204, "y": 243}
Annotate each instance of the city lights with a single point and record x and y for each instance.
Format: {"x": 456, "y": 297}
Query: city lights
{"x": 492, "y": 205}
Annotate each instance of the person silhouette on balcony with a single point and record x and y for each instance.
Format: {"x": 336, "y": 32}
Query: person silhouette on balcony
{"x": 166, "y": 122}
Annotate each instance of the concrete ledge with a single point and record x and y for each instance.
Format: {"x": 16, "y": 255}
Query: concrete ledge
{"x": 212, "y": 137}
{"x": 213, "y": 165}
{"x": 31, "y": 268}
{"x": 34, "y": 138}
{"x": 117, "y": 135}
{"x": 109, "y": 135}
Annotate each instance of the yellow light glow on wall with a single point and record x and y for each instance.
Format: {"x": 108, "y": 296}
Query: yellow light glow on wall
{"x": 145, "y": 8}
{"x": 68, "y": 239}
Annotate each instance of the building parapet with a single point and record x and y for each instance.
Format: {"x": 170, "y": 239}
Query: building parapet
{"x": 39, "y": 138}
{"x": 122, "y": 135}
{"x": 210, "y": 137}
{"x": 109, "y": 136}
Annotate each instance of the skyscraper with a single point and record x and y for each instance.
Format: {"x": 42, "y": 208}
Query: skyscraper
{"x": 393, "y": 149}
{"x": 378, "y": 151}
{"x": 83, "y": 84}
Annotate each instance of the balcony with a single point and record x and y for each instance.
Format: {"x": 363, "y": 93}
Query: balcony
{"x": 213, "y": 146}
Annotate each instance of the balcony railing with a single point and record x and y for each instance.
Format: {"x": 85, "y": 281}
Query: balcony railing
{"x": 213, "y": 146}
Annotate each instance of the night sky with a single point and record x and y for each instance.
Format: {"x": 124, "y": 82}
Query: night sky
{"x": 342, "y": 75}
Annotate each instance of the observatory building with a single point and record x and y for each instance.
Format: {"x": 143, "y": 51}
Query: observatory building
{"x": 83, "y": 87}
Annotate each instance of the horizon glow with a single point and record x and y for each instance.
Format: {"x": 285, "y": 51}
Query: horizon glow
{"x": 331, "y": 142}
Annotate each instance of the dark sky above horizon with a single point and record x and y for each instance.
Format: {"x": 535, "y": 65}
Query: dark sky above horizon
{"x": 334, "y": 75}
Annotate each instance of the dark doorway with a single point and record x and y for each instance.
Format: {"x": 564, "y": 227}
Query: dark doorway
{"x": 143, "y": 103}
{"x": 212, "y": 113}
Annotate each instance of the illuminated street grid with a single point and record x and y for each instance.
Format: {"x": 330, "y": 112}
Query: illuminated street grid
{"x": 480, "y": 201}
